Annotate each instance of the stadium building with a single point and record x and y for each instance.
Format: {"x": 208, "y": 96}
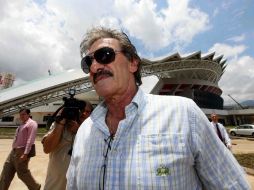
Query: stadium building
{"x": 193, "y": 76}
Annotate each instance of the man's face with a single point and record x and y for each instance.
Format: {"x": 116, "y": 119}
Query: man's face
{"x": 23, "y": 116}
{"x": 86, "y": 113}
{"x": 113, "y": 78}
{"x": 214, "y": 118}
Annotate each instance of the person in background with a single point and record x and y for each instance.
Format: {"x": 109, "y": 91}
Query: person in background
{"x": 220, "y": 131}
{"x": 135, "y": 140}
{"x": 18, "y": 159}
{"x": 58, "y": 143}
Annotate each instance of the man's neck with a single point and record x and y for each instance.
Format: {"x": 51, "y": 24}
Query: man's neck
{"x": 116, "y": 108}
{"x": 24, "y": 122}
{"x": 116, "y": 105}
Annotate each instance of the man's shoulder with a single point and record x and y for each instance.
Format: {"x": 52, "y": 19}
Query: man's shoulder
{"x": 169, "y": 98}
{"x": 32, "y": 122}
{"x": 220, "y": 124}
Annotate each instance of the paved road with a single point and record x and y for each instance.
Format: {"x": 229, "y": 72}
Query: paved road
{"x": 38, "y": 164}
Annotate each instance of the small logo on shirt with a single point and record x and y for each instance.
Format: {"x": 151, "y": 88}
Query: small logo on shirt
{"x": 162, "y": 171}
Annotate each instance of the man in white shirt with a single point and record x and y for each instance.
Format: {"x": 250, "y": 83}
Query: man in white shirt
{"x": 220, "y": 131}
{"x": 134, "y": 140}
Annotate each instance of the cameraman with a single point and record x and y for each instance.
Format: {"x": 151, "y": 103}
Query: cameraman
{"x": 58, "y": 143}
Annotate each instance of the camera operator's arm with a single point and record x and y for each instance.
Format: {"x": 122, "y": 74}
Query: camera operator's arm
{"x": 72, "y": 126}
{"x": 52, "y": 139}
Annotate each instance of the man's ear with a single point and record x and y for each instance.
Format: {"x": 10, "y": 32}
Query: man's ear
{"x": 133, "y": 66}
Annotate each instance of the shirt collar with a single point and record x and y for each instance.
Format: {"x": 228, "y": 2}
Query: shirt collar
{"x": 26, "y": 121}
{"x": 138, "y": 101}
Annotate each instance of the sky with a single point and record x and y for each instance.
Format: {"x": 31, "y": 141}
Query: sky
{"x": 41, "y": 35}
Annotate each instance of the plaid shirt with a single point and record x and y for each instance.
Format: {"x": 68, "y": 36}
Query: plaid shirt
{"x": 25, "y": 135}
{"x": 165, "y": 142}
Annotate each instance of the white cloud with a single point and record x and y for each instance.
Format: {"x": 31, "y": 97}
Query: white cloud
{"x": 238, "y": 79}
{"x": 237, "y": 38}
{"x": 32, "y": 40}
{"x": 37, "y": 37}
{"x": 143, "y": 22}
{"x": 228, "y": 51}
{"x": 215, "y": 12}
{"x": 239, "y": 74}
{"x": 175, "y": 24}
{"x": 226, "y": 4}
{"x": 111, "y": 22}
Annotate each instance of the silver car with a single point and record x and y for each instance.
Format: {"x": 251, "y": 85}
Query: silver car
{"x": 246, "y": 129}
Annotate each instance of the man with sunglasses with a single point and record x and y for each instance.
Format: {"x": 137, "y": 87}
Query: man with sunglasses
{"x": 134, "y": 140}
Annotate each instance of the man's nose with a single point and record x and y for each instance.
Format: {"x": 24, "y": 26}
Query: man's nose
{"x": 96, "y": 66}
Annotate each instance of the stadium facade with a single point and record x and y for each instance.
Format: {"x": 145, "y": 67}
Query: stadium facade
{"x": 193, "y": 76}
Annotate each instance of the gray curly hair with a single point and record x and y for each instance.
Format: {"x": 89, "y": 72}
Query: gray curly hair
{"x": 126, "y": 46}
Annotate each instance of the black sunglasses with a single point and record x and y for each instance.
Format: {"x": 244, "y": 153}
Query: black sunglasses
{"x": 103, "y": 56}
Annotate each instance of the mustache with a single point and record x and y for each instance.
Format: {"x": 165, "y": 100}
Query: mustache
{"x": 101, "y": 73}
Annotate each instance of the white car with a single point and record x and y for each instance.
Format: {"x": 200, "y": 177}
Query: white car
{"x": 246, "y": 129}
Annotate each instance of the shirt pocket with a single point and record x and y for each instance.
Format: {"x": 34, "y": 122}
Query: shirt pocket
{"x": 157, "y": 161}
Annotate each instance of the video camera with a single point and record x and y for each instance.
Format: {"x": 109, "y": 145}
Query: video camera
{"x": 72, "y": 107}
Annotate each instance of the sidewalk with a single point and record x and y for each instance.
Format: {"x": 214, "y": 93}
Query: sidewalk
{"x": 38, "y": 165}
{"x": 249, "y": 171}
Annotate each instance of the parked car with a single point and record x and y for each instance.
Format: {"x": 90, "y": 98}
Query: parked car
{"x": 246, "y": 129}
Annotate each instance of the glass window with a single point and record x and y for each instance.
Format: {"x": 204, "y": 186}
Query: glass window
{"x": 46, "y": 117}
{"x": 8, "y": 119}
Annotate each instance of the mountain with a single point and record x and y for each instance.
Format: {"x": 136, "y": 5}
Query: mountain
{"x": 245, "y": 104}
{"x": 249, "y": 103}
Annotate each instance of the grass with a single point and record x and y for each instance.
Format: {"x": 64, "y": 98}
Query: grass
{"x": 245, "y": 160}
{"x": 12, "y": 130}
{"x": 7, "y": 132}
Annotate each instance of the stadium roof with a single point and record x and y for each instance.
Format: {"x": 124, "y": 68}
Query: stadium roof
{"x": 41, "y": 84}
{"x": 54, "y": 87}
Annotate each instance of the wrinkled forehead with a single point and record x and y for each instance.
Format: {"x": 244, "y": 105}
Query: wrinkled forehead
{"x": 103, "y": 42}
